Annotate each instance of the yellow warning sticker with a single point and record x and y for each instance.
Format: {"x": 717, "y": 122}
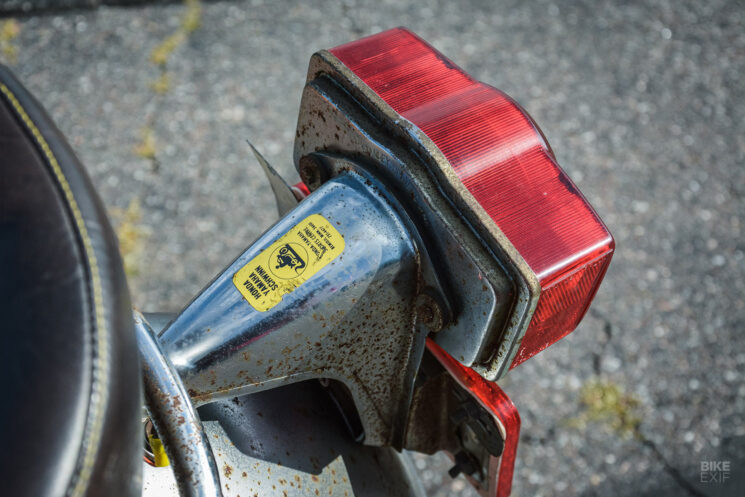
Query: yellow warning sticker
{"x": 289, "y": 262}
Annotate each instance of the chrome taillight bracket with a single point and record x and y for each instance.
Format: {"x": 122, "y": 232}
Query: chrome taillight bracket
{"x": 355, "y": 319}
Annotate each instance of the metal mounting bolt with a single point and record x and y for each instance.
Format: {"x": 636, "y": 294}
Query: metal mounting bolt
{"x": 429, "y": 312}
{"x": 311, "y": 171}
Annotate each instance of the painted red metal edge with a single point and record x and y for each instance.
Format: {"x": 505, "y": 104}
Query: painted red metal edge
{"x": 494, "y": 400}
{"x": 301, "y": 190}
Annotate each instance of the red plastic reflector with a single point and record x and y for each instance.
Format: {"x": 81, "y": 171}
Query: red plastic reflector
{"x": 494, "y": 400}
{"x": 503, "y": 160}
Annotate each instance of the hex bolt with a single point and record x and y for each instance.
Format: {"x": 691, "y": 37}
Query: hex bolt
{"x": 311, "y": 171}
{"x": 429, "y": 312}
{"x": 463, "y": 464}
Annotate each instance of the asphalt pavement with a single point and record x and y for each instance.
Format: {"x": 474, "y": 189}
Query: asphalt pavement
{"x": 643, "y": 104}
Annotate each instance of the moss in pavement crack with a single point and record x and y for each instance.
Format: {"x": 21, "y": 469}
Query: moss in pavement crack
{"x": 159, "y": 57}
{"x": 9, "y": 31}
{"x": 131, "y": 235}
{"x": 605, "y": 402}
{"x": 146, "y": 147}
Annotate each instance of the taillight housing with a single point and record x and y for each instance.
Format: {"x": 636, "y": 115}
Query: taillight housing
{"x": 491, "y": 161}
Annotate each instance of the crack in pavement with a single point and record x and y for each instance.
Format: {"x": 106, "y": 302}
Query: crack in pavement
{"x": 608, "y": 330}
{"x": 543, "y": 440}
{"x": 671, "y": 470}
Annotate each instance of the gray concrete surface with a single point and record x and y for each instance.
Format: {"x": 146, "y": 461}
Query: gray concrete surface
{"x": 642, "y": 102}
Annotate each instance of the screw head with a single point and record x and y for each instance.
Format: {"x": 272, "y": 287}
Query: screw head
{"x": 311, "y": 171}
{"x": 429, "y": 312}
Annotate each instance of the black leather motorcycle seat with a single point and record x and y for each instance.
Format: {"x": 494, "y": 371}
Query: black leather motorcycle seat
{"x": 69, "y": 372}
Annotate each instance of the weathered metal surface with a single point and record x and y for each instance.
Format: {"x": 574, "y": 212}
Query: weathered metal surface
{"x": 175, "y": 419}
{"x": 436, "y": 311}
{"x": 446, "y": 416}
{"x": 159, "y": 482}
{"x": 492, "y": 431}
{"x": 494, "y": 292}
{"x": 354, "y": 321}
{"x": 482, "y": 299}
{"x": 291, "y": 441}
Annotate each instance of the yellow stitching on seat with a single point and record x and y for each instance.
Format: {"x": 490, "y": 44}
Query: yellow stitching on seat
{"x": 102, "y": 350}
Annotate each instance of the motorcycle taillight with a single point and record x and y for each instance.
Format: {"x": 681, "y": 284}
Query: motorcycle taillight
{"x": 501, "y": 157}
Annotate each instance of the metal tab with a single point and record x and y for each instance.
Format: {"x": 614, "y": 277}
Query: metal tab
{"x": 283, "y": 193}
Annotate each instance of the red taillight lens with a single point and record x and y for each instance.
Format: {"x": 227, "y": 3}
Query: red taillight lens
{"x": 501, "y": 157}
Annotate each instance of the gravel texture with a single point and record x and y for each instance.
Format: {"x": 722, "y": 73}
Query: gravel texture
{"x": 642, "y": 103}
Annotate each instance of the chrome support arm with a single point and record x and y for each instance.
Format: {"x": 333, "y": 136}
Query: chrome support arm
{"x": 175, "y": 419}
{"x": 354, "y": 320}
